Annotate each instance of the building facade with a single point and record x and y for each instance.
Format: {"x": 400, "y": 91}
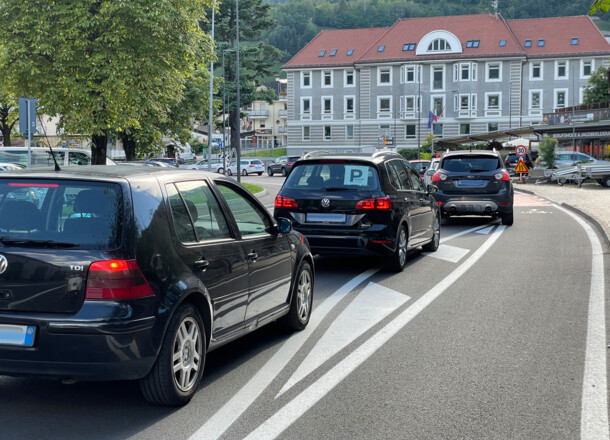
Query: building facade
{"x": 365, "y": 89}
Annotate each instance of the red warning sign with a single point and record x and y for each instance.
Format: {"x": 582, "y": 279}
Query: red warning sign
{"x": 521, "y": 167}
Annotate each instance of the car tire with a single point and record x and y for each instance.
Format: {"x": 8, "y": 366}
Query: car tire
{"x": 436, "y": 237}
{"x": 270, "y": 172}
{"x": 244, "y": 172}
{"x": 284, "y": 173}
{"x": 229, "y": 172}
{"x": 260, "y": 174}
{"x": 606, "y": 181}
{"x": 174, "y": 382}
{"x": 220, "y": 170}
{"x": 398, "y": 260}
{"x": 507, "y": 218}
{"x": 301, "y": 300}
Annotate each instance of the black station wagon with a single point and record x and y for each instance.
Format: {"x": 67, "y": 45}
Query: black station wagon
{"x": 112, "y": 273}
{"x": 360, "y": 204}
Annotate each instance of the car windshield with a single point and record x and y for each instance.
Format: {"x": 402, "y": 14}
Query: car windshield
{"x": 60, "y": 214}
{"x": 465, "y": 164}
{"x": 333, "y": 176}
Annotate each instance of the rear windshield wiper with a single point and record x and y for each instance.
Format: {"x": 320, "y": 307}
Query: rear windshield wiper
{"x": 36, "y": 243}
{"x": 477, "y": 170}
{"x": 337, "y": 188}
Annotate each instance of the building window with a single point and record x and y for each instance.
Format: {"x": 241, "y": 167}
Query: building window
{"x": 561, "y": 69}
{"x": 493, "y": 102}
{"x": 306, "y": 79}
{"x": 465, "y": 72}
{"x": 438, "y": 105}
{"x": 384, "y": 104}
{"x": 322, "y": 52}
{"x": 327, "y": 78}
{"x": 574, "y": 41}
{"x": 349, "y": 78}
{"x": 528, "y": 43}
{"x": 502, "y": 43}
{"x": 332, "y": 53}
{"x": 561, "y": 98}
{"x": 410, "y": 131}
{"x": 493, "y": 72}
{"x": 438, "y": 81}
{"x": 540, "y": 43}
{"x": 437, "y": 130}
{"x": 492, "y": 126}
{"x": 439, "y": 45}
{"x": 349, "y": 104}
{"x": 380, "y": 48}
{"x": 409, "y": 103}
{"x": 464, "y": 128}
{"x": 349, "y": 132}
{"x": 472, "y": 43}
{"x": 350, "y": 52}
{"x": 411, "y": 74}
{"x": 385, "y": 76}
{"x": 327, "y": 133}
{"x": 306, "y": 106}
{"x": 327, "y": 105}
{"x": 306, "y": 136}
{"x": 535, "y": 101}
{"x": 408, "y": 46}
{"x": 536, "y": 71}
{"x": 587, "y": 68}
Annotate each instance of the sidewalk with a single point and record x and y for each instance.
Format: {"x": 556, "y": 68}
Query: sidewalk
{"x": 590, "y": 200}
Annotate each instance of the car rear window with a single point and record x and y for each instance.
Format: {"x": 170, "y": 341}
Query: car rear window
{"x": 465, "y": 164}
{"x": 60, "y": 213}
{"x": 333, "y": 176}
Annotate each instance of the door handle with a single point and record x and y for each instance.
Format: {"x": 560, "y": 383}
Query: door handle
{"x": 252, "y": 256}
{"x": 201, "y": 264}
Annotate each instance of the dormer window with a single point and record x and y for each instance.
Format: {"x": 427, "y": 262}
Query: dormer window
{"x": 322, "y": 52}
{"x": 528, "y": 43}
{"x": 439, "y": 45}
{"x": 332, "y": 53}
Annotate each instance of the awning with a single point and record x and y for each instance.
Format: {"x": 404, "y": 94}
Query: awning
{"x": 482, "y": 137}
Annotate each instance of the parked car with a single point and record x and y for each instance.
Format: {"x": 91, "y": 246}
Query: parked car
{"x": 41, "y": 157}
{"x": 511, "y": 160}
{"x": 247, "y": 166}
{"x": 169, "y": 161}
{"x": 282, "y": 165}
{"x": 431, "y": 170}
{"x": 360, "y": 204}
{"x": 420, "y": 165}
{"x": 570, "y": 158}
{"x": 9, "y": 166}
{"x": 474, "y": 183}
{"x": 133, "y": 272}
{"x": 217, "y": 165}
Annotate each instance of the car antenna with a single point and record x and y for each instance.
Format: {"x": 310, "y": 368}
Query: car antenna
{"x": 49, "y": 144}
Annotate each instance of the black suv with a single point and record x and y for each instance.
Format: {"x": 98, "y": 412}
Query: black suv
{"x": 111, "y": 273}
{"x": 282, "y": 165}
{"x": 474, "y": 183}
{"x": 360, "y": 204}
{"x": 513, "y": 158}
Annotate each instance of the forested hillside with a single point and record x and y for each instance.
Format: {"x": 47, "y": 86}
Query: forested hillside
{"x": 298, "y": 21}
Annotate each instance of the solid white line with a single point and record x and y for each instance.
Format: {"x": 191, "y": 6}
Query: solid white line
{"x": 468, "y": 231}
{"x": 225, "y": 416}
{"x": 276, "y": 424}
{"x": 594, "y": 409}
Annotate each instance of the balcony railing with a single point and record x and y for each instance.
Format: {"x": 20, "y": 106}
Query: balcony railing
{"x": 258, "y": 113}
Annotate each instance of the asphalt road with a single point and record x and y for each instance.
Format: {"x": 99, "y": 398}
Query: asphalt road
{"x": 501, "y": 334}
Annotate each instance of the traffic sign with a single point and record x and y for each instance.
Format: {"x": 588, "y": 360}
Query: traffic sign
{"x": 520, "y": 150}
{"x": 521, "y": 167}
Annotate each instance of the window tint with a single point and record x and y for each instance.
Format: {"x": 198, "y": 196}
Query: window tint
{"x": 467, "y": 164}
{"x": 399, "y": 178}
{"x": 337, "y": 176}
{"x": 40, "y": 158}
{"x": 80, "y": 214}
{"x": 251, "y": 221}
{"x": 196, "y": 214}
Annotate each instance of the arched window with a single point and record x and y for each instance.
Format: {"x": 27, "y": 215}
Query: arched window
{"x": 439, "y": 45}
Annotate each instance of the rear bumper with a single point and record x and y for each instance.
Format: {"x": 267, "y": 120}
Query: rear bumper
{"x": 94, "y": 349}
{"x": 358, "y": 243}
{"x": 461, "y": 205}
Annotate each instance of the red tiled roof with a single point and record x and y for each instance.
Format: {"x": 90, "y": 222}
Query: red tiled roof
{"x": 342, "y": 40}
{"x": 487, "y": 29}
{"x": 557, "y": 34}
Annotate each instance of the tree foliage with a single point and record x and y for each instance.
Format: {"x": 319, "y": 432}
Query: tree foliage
{"x": 105, "y": 66}
{"x": 596, "y": 89}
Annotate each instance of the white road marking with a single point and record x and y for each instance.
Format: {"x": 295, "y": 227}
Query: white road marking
{"x": 594, "y": 409}
{"x": 467, "y": 231}
{"x": 448, "y": 253}
{"x": 485, "y": 231}
{"x": 281, "y": 420}
{"x": 225, "y": 416}
{"x": 370, "y": 307}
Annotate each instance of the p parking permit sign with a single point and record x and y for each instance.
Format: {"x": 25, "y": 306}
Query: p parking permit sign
{"x": 356, "y": 175}
{"x": 520, "y": 150}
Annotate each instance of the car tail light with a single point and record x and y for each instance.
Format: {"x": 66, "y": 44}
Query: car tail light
{"x": 439, "y": 177}
{"x": 380, "y": 204}
{"x": 285, "y": 202}
{"x": 502, "y": 175}
{"x": 116, "y": 279}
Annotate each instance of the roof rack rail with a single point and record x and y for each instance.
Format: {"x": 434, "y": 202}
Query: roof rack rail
{"x": 385, "y": 152}
{"x": 315, "y": 153}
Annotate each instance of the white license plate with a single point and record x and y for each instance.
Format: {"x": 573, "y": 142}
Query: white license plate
{"x": 470, "y": 182}
{"x": 21, "y": 335}
{"x": 326, "y": 218}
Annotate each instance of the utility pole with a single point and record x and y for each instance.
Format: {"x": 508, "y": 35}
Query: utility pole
{"x": 238, "y": 149}
{"x": 210, "y": 123}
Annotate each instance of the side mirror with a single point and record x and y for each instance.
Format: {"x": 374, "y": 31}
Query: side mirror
{"x": 432, "y": 189}
{"x": 284, "y": 225}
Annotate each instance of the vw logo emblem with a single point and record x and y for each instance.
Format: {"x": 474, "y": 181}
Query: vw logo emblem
{"x": 3, "y": 263}
{"x": 325, "y": 202}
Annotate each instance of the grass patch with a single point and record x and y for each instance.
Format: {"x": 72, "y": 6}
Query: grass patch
{"x": 276, "y": 152}
{"x": 253, "y": 188}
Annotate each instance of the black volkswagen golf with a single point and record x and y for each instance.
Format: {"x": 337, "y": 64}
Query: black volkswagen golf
{"x": 111, "y": 273}
{"x": 360, "y": 204}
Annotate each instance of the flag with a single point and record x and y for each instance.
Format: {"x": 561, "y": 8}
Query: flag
{"x": 431, "y": 118}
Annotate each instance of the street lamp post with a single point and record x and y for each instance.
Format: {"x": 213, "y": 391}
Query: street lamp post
{"x": 210, "y": 123}
{"x": 224, "y": 137}
{"x": 238, "y": 103}
{"x": 510, "y": 105}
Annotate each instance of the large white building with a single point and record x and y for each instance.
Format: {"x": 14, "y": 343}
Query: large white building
{"x": 361, "y": 89}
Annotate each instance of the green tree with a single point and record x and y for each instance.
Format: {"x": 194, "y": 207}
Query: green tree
{"x": 546, "y": 152}
{"x": 9, "y": 115}
{"x": 256, "y": 58}
{"x": 596, "y": 89}
{"x": 104, "y": 66}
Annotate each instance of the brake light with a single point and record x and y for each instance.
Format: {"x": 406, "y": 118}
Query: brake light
{"x": 439, "y": 177}
{"x": 116, "y": 279}
{"x": 502, "y": 175}
{"x": 285, "y": 202}
{"x": 35, "y": 185}
{"x": 380, "y": 204}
